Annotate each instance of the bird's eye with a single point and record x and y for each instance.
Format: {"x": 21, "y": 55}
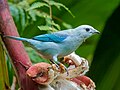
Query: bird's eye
{"x": 87, "y": 29}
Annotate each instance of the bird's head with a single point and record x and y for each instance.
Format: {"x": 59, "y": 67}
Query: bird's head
{"x": 86, "y": 31}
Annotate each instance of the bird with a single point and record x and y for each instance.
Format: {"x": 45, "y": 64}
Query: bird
{"x": 58, "y": 44}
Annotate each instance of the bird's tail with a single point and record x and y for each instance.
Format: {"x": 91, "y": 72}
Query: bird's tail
{"x": 16, "y": 38}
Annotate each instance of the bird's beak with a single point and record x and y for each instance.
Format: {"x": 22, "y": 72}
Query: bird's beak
{"x": 96, "y": 31}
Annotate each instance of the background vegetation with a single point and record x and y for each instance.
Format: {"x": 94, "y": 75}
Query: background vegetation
{"x": 103, "y": 51}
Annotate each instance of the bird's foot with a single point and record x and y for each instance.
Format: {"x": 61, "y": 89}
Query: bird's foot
{"x": 63, "y": 68}
{"x": 54, "y": 63}
{"x": 59, "y": 67}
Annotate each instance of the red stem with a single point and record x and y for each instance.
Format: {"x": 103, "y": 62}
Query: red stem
{"x": 15, "y": 48}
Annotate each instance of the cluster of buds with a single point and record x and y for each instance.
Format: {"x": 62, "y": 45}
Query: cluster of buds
{"x": 50, "y": 79}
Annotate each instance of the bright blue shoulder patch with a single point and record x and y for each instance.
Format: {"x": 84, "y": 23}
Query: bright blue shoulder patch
{"x": 51, "y": 37}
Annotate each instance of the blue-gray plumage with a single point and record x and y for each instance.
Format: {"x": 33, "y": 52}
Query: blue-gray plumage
{"x": 59, "y": 44}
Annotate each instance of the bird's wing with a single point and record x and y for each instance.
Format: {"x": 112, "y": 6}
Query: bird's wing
{"x": 55, "y": 37}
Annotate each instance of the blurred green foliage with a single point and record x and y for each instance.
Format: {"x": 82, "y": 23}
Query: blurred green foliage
{"x": 33, "y": 18}
{"x": 26, "y": 15}
{"x": 105, "y": 67}
{"x": 35, "y": 58}
{"x": 4, "y": 78}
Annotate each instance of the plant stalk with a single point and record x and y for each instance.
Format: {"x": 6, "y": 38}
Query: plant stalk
{"x": 15, "y": 48}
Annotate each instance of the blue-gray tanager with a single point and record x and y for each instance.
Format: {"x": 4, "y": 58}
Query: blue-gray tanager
{"x": 59, "y": 44}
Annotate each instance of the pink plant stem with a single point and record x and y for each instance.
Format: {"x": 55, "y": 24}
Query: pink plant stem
{"x": 15, "y": 48}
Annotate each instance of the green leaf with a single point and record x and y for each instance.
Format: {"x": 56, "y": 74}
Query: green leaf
{"x": 48, "y": 20}
{"x": 4, "y": 79}
{"x": 10, "y": 70}
{"x": 41, "y": 14}
{"x": 51, "y": 23}
{"x": 66, "y": 25}
{"x": 14, "y": 12}
{"x": 58, "y": 5}
{"x": 55, "y": 25}
{"x": 24, "y": 4}
{"x": 22, "y": 18}
{"x": 32, "y": 14}
{"x": 45, "y": 28}
{"x": 19, "y": 16}
{"x": 37, "y": 5}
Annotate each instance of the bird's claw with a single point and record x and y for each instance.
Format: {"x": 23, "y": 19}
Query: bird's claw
{"x": 59, "y": 67}
{"x": 63, "y": 68}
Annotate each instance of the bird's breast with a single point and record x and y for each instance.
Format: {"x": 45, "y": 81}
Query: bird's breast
{"x": 69, "y": 46}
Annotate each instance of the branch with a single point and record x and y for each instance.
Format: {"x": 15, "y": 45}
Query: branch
{"x": 15, "y": 48}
